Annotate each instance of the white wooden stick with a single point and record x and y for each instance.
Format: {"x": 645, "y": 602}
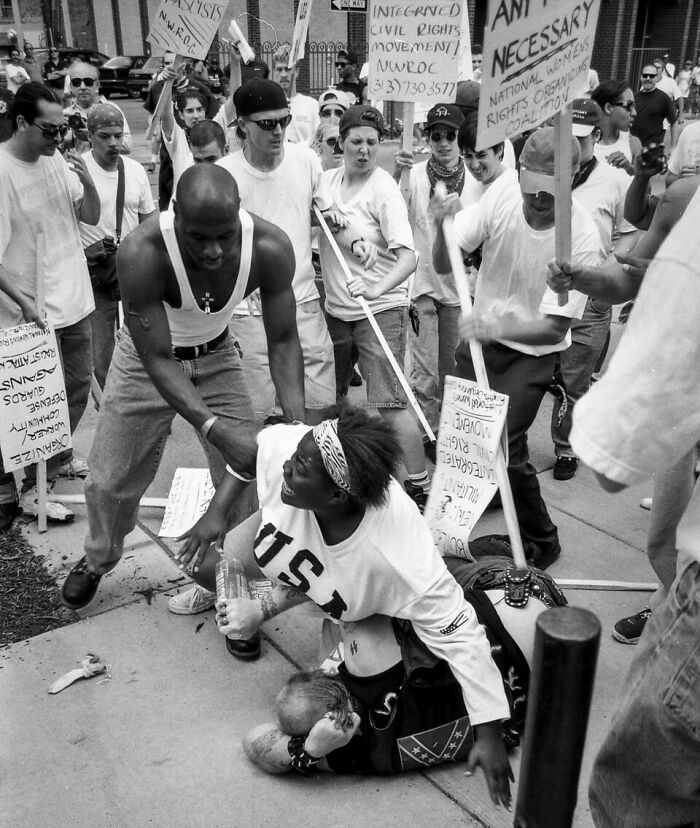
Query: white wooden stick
{"x": 375, "y": 327}
{"x": 407, "y": 146}
{"x": 622, "y": 586}
{"x": 41, "y": 481}
{"x": 477, "y": 356}
{"x": 165, "y": 93}
{"x": 146, "y": 502}
{"x": 562, "y": 196}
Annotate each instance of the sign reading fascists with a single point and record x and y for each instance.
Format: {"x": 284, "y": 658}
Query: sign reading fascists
{"x": 34, "y": 424}
{"x": 471, "y": 423}
{"x": 537, "y": 54}
{"x": 414, "y": 50}
{"x": 186, "y": 27}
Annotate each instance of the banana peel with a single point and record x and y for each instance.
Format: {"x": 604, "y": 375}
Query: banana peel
{"x": 90, "y": 666}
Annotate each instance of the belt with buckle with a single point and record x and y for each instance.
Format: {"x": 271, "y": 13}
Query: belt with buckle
{"x": 195, "y": 351}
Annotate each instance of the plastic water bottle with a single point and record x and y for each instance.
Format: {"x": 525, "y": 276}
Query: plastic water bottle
{"x": 231, "y": 581}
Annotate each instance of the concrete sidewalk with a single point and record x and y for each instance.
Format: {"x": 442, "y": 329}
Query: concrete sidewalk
{"x": 159, "y": 743}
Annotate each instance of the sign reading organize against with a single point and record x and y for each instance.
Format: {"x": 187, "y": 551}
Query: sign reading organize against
{"x": 186, "y": 28}
{"x": 34, "y": 424}
{"x": 471, "y": 423}
{"x": 190, "y": 495}
{"x": 414, "y": 50}
{"x": 536, "y": 60}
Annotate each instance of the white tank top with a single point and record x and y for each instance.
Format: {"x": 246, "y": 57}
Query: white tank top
{"x": 189, "y": 324}
{"x": 601, "y": 151}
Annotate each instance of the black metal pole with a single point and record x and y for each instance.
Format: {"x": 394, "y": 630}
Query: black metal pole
{"x": 561, "y": 686}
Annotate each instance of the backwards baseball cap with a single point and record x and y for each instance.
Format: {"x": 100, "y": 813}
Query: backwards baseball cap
{"x": 259, "y": 95}
{"x": 104, "y": 115}
{"x": 468, "y": 96}
{"x": 333, "y": 97}
{"x": 587, "y": 115}
{"x": 537, "y": 161}
{"x": 447, "y": 114}
{"x": 351, "y": 57}
{"x": 361, "y": 115}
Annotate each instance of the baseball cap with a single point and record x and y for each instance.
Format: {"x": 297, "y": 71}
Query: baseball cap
{"x": 468, "y": 96}
{"x": 351, "y": 57}
{"x": 447, "y": 114}
{"x": 361, "y": 115}
{"x": 335, "y": 97}
{"x": 537, "y": 161}
{"x": 259, "y": 95}
{"x": 104, "y": 115}
{"x": 586, "y": 116}
{"x": 255, "y": 69}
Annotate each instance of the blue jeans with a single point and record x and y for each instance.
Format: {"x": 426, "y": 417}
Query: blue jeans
{"x": 433, "y": 352}
{"x": 576, "y": 367}
{"x": 104, "y": 327}
{"x": 131, "y": 432}
{"x": 647, "y": 773}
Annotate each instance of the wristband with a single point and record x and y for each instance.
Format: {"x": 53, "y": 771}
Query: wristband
{"x": 353, "y": 243}
{"x": 301, "y": 761}
{"x": 238, "y": 476}
{"x": 205, "y": 428}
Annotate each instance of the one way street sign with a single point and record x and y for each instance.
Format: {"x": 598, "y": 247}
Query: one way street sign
{"x": 349, "y": 5}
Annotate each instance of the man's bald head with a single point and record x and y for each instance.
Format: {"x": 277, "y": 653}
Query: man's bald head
{"x": 207, "y": 188}
{"x": 80, "y": 69}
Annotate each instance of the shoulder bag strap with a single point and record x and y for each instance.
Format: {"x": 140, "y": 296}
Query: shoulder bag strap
{"x": 120, "y": 196}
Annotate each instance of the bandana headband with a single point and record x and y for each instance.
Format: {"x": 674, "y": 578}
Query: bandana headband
{"x": 326, "y": 438}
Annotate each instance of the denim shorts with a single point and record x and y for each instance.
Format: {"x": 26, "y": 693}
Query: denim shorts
{"x": 383, "y": 387}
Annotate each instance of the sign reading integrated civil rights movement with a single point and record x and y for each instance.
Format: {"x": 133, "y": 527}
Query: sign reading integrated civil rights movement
{"x": 186, "y": 27}
{"x": 537, "y": 54}
{"x": 34, "y": 424}
{"x": 471, "y": 424}
{"x": 414, "y": 49}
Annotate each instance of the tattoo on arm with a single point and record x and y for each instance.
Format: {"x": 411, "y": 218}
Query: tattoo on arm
{"x": 265, "y": 750}
{"x": 280, "y": 598}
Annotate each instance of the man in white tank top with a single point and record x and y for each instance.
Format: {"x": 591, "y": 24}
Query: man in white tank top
{"x": 180, "y": 277}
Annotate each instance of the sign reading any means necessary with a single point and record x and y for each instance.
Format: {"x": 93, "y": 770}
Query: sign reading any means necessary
{"x": 186, "y": 27}
{"x": 537, "y": 54}
{"x": 414, "y": 50}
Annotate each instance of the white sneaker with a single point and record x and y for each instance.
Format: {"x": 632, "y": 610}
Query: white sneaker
{"x": 29, "y": 504}
{"x": 75, "y": 467}
{"x": 192, "y": 601}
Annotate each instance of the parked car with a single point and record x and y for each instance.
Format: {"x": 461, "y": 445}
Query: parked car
{"x": 66, "y": 56}
{"x": 114, "y": 74}
{"x": 140, "y": 77}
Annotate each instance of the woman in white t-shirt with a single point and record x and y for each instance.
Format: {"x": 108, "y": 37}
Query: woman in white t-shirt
{"x": 380, "y": 259}
{"x": 616, "y": 146}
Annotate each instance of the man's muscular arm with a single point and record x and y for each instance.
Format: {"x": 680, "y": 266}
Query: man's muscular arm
{"x": 141, "y": 264}
{"x": 274, "y": 269}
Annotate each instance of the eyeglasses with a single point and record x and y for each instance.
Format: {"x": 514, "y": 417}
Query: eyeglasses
{"x": 647, "y": 76}
{"x": 628, "y": 105}
{"x": 270, "y": 124}
{"x": 436, "y": 137}
{"x": 89, "y": 82}
{"x": 51, "y": 131}
{"x": 340, "y": 64}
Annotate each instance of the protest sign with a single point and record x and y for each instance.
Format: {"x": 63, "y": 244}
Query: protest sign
{"x": 186, "y": 27}
{"x": 471, "y": 423}
{"x": 414, "y": 50}
{"x": 190, "y": 494}
{"x": 536, "y": 61}
{"x": 34, "y": 424}
{"x": 301, "y": 28}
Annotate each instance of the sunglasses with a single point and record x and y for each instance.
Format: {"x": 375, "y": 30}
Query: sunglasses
{"x": 331, "y": 142}
{"x": 51, "y": 131}
{"x": 270, "y": 124}
{"x": 89, "y": 82}
{"x": 629, "y": 105}
{"x": 327, "y": 113}
{"x": 339, "y": 64}
{"x": 648, "y": 76}
{"x": 436, "y": 137}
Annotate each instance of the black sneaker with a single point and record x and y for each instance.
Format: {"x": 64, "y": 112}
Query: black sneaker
{"x": 356, "y": 379}
{"x": 565, "y": 467}
{"x": 246, "y": 649}
{"x": 629, "y": 630}
{"x": 8, "y": 512}
{"x": 417, "y": 495}
{"x": 80, "y": 586}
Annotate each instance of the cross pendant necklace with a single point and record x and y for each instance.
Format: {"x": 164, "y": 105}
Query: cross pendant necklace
{"x": 206, "y": 300}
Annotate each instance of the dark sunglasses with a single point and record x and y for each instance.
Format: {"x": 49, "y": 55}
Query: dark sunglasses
{"x": 331, "y": 142}
{"x": 436, "y": 137}
{"x": 328, "y": 112}
{"x": 647, "y": 75}
{"x": 269, "y": 124}
{"x": 629, "y": 106}
{"x": 340, "y": 64}
{"x": 89, "y": 82}
{"x": 51, "y": 131}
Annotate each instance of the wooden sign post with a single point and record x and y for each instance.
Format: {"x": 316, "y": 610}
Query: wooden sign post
{"x": 187, "y": 30}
